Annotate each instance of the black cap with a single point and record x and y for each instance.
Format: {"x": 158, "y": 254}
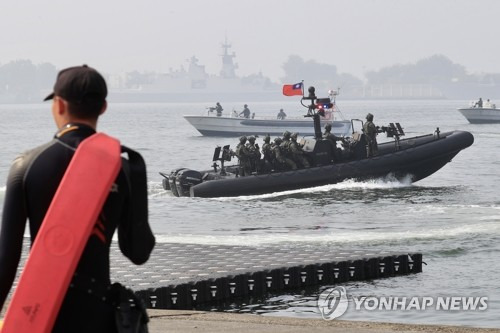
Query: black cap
{"x": 79, "y": 84}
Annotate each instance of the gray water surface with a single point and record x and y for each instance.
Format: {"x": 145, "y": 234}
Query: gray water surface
{"x": 452, "y": 217}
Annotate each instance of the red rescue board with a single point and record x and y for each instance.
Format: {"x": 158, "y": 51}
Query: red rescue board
{"x": 63, "y": 235}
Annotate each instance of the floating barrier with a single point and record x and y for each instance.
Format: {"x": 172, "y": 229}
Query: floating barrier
{"x": 187, "y": 276}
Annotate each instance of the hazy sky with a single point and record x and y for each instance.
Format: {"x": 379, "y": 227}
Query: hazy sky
{"x": 354, "y": 35}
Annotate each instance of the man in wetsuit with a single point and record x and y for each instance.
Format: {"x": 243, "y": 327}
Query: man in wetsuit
{"x": 79, "y": 98}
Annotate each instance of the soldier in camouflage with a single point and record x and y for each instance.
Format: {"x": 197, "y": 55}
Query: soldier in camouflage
{"x": 245, "y": 112}
{"x": 218, "y": 109}
{"x": 370, "y": 131}
{"x": 243, "y": 157}
{"x": 298, "y": 155}
{"x": 267, "y": 153}
{"x": 280, "y": 159}
{"x": 328, "y": 135}
{"x": 253, "y": 154}
{"x": 285, "y": 145}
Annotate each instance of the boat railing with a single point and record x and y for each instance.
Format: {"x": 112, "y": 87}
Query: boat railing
{"x": 337, "y": 111}
{"x": 486, "y": 105}
{"x": 330, "y": 115}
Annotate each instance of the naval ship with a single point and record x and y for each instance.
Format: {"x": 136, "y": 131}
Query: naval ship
{"x": 196, "y": 85}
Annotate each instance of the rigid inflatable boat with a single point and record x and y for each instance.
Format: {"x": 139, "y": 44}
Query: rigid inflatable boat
{"x": 416, "y": 157}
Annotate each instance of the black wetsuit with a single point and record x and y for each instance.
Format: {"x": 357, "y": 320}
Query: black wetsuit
{"x": 32, "y": 182}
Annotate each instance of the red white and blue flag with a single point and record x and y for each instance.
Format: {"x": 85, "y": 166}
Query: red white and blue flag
{"x": 293, "y": 89}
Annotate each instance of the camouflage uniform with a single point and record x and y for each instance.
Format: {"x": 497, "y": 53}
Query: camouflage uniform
{"x": 297, "y": 152}
{"x": 266, "y": 149}
{"x": 280, "y": 157}
{"x": 267, "y": 154}
{"x": 370, "y": 131}
{"x": 330, "y": 136}
{"x": 253, "y": 154}
{"x": 243, "y": 156}
{"x": 285, "y": 145}
{"x": 333, "y": 139}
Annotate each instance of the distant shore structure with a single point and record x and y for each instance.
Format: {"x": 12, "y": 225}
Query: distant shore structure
{"x": 26, "y": 82}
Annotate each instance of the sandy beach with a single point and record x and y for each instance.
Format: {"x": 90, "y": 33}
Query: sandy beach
{"x": 206, "y": 322}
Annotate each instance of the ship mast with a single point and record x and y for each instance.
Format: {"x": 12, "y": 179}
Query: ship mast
{"x": 228, "y": 66}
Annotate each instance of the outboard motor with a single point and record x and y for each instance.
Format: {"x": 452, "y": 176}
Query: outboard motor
{"x": 171, "y": 181}
{"x": 164, "y": 182}
{"x": 185, "y": 179}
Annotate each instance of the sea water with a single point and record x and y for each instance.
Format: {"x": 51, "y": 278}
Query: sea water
{"x": 452, "y": 217}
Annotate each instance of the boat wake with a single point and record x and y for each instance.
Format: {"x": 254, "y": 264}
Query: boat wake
{"x": 387, "y": 182}
{"x": 340, "y": 238}
{"x": 155, "y": 190}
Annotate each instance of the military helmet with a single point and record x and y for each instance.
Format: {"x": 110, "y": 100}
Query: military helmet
{"x": 294, "y": 135}
{"x": 243, "y": 139}
{"x": 369, "y": 117}
{"x": 251, "y": 139}
{"x": 267, "y": 138}
{"x": 286, "y": 134}
{"x": 328, "y": 127}
{"x": 277, "y": 141}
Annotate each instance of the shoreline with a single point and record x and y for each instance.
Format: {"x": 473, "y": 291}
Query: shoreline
{"x": 201, "y": 321}
{"x": 191, "y": 321}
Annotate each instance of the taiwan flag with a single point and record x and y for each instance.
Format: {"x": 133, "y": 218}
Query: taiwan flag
{"x": 293, "y": 89}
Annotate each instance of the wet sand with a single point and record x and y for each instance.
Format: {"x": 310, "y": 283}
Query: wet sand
{"x": 206, "y": 322}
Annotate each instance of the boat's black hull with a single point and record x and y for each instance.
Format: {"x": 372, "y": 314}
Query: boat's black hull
{"x": 417, "y": 157}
